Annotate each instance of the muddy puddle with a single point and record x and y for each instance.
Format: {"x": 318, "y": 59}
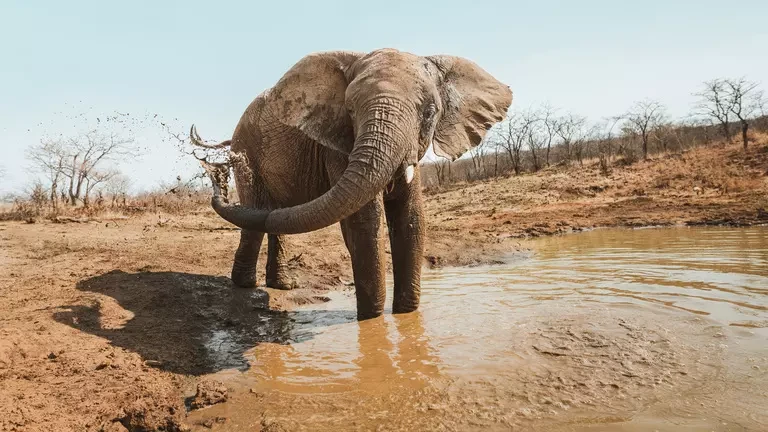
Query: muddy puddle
{"x": 611, "y": 330}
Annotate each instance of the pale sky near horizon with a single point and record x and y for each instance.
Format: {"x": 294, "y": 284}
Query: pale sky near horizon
{"x": 204, "y": 61}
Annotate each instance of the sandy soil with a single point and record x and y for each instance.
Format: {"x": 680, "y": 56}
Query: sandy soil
{"x": 102, "y": 323}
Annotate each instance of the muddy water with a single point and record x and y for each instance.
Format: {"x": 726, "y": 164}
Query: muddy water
{"x": 610, "y": 330}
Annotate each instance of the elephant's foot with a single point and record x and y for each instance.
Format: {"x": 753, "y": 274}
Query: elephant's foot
{"x": 402, "y": 309}
{"x": 281, "y": 283}
{"x": 366, "y": 315}
{"x": 244, "y": 278}
{"x": 406, "y": 300}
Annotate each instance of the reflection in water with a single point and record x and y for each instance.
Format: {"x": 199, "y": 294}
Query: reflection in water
{"x": 387, "y": 352}
{"x": 655, "y": 328}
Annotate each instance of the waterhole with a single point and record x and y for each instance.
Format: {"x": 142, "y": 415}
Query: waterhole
{"x": 614, "y": 330}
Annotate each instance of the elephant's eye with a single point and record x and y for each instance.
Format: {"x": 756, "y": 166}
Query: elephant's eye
{"x": 428, "y": 122}
{"x": 429, "y": 111}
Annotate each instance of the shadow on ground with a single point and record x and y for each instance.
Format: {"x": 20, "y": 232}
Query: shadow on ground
{"x": 188, "y": 323}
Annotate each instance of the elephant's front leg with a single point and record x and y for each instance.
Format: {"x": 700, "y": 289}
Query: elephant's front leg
{"x": 277, "y": 259}
{"x": 405, "y": 219}
{"x": 244, "y": 267}
{"x": 364, "y": 236}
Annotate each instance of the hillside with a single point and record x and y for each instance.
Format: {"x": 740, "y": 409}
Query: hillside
{"x": 707, "y": 185}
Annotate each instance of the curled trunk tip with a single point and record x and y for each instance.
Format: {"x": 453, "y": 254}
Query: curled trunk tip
{"x": 195, "y": 139}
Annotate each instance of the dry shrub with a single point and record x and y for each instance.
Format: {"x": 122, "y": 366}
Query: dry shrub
{"x": 628, "y": 156}
{"x": 725, "y": 170}
{"x": 605, "y": 165}
{"x": 19, "y": 211}
{"x": 175, "y": 201}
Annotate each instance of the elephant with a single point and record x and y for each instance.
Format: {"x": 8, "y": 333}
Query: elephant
{"x": 338, "y": 139}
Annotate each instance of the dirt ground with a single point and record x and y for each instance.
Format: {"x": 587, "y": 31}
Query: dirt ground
{"x": 102, "y": 323}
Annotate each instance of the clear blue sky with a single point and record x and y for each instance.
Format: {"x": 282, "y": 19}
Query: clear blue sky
{"x": 204, "y": 61}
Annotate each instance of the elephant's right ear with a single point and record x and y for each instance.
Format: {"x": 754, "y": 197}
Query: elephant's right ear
{"x": 310, "y": 97}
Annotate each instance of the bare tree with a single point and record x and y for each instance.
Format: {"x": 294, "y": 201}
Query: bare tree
{"x": 668, "y": 133}
{"x": 49, "y": 158}
{"x": 492, "y": 142}
{"x": 536, "y": 140}
{"x": 79, "y": 159}
{"x": 117, "y": 188}
{"x": 644, "y": 118}
{"x": 94, "y": 179}
{"x": 761, "y": 115}
{"x": 715, "y": 103}
{"x": 37, "y": 196}
{"x": 87, "y": 153}
{"x": 746, "y": 101}
{"x": 568, "y": 128}
{"x": 513, "y": 134}
{"x": 494, "y": 148}
{"x": 478, "y": 164}
{"x": 582, "y": 140}
{"x": 549, "y": 122}
{"x": 604, "y": 142}
{"x": 443, "y": 170}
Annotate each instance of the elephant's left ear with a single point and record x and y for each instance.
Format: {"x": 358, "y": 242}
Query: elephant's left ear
{"x": 311, "y": 98}
{"x": 473, "y": 101}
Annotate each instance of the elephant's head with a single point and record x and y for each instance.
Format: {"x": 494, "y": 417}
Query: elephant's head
{"x": 383, "y": 109}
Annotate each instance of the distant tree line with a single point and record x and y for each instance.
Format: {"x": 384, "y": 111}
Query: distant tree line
{"x": 78, "y": 170}
{"x": 531, "y": 139}
{"x": 74, "y": 167}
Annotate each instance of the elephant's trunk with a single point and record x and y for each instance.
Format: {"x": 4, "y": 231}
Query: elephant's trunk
{"x": 380, "y": 148}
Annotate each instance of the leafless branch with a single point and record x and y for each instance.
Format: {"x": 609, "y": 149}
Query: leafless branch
{"x": 643, "y": 119}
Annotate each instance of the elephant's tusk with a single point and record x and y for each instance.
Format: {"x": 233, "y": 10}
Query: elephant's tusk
{"x": 409, "y": 174}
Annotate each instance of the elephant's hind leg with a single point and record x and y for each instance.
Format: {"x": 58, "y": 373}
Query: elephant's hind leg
{"x": 244, "y": 268}
{"x": 277, "y": 259}
{"x": 364, "y": 237}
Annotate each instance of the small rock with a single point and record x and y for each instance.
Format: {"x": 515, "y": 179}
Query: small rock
{"x": 209, "y": 423}
{"x": 114, "y": 427}
{"x": 209, "y": 393}
{"x": 271, "y": 426}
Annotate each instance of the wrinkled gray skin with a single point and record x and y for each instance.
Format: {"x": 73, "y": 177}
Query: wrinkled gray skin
{"x": 338, "y": 139}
